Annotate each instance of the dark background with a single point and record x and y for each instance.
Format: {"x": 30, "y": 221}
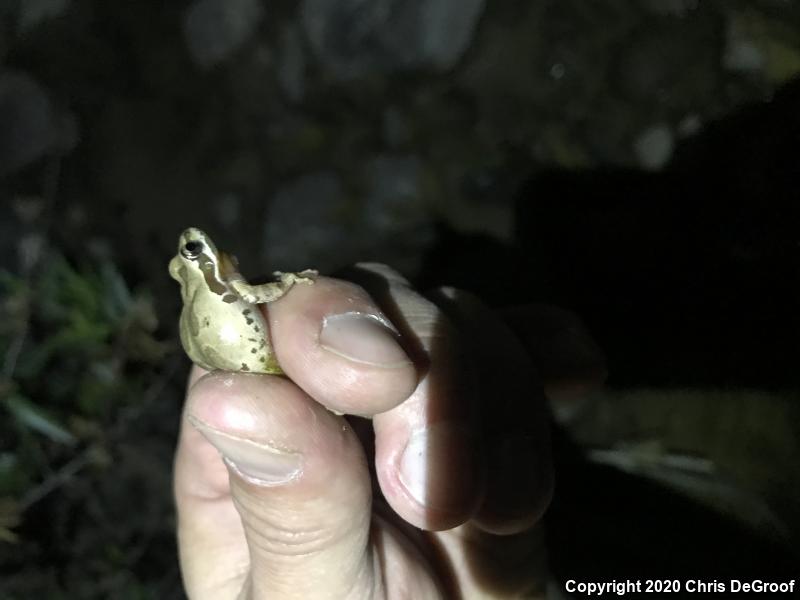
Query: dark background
{"x": 635, "y": 162}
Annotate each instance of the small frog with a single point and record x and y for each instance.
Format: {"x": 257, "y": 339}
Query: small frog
{"x": 221, "y": 326}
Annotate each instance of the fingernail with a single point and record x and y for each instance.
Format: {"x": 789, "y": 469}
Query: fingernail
{"x": 362, "y": 338}
{"x": 258, "y": 463}
{"x": 437, "y": 466}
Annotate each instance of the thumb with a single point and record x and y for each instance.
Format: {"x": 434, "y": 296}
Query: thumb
{"x": 299, "y": 481}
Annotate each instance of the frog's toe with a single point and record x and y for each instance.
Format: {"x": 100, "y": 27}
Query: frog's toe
{"x": 308, "y": 275}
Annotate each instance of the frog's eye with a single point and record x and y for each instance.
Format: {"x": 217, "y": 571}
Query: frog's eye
{"x": 192, "y": 249}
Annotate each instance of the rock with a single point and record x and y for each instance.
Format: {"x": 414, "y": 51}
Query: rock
{"x": 28, "y": 121}
{"x": 670, "y": 63}
{"x": 447, "y": 28}
{"x": 228, "y": 209}
{"x": 394, "y": 192}
{"x": 395, "y": 127}
{"x": 215, "y": 29}
{"x": 312, "y": 223}
{"x": 654, "y": 147}
{"x": 292, "y": 64}
{"x": 397, "y": 228}
{"x": 758, "y": 45}
{"x": 673, "y": 8}
{"x": 690, "y": 125}
{"x": 33, "y": 12}
{"x": 11, "y": 225}
{"x": 304, "y": 228}
{"x": 741, "y": 53}
{"x": 354, "y": 38}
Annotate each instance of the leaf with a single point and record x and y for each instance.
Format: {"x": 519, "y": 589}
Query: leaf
{"x": 6, "y": 535}
{"x": 14, "y": 476}
{"x": 35, "y": 418}
{"x": 9, "y": 518}
{"x": 117, "y": 299}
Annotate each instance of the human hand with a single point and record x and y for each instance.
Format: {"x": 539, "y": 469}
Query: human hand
{"x": 298, "y": 506}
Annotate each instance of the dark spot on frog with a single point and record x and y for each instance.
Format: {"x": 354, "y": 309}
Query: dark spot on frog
{"x": 245, "y": 367}
{"x": 246, "y": 311}
{"x": 254, "y": 340}
{"x": 206, "y": 322}
{"x": 253, "y": 350}
{"x": 262, "y": 344}
{"x": 248, "y": 320}
{"x": 263, "y": 358}
{"x": 229, "y": 298}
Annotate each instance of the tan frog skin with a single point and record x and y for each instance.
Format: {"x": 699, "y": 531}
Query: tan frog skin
{"x": 221, "y": 326}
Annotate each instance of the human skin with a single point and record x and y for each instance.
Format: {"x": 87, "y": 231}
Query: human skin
{"x": 431, "y": 485}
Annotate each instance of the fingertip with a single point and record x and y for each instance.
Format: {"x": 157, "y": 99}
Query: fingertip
{"x": 249, "y": 405}
{"x": 520, "y": 484}
{"x": 297, "y": 478}
{"x": 432, "y": 477}
{"x": 195, "y": 373}
{"x": 270, "y": 431}
{"x": 335, "y": 343}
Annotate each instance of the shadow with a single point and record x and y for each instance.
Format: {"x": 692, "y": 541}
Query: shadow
{"x": 689, "y": 276}
{"x": 604, "y": 525}
{"x": 686, "y": 278}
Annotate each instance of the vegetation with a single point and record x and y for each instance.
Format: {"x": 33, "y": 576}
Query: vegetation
{"x": 89, "y": 419}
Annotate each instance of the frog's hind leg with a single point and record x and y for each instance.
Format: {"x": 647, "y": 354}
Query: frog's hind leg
{"x": 268, "y": 292}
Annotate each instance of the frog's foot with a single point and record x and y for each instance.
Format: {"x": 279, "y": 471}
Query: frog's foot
{"x": 289, "y": 279}
{"x": 269, "y": 292}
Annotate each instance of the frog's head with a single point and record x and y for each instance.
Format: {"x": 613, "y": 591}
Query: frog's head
{"x": 198, "y": 262}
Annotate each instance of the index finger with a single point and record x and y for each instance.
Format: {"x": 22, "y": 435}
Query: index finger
{"x": 334, "y": 342}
